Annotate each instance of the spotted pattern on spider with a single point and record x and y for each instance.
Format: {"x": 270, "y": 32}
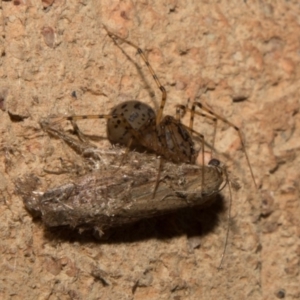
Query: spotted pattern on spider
{"x": 136, "y": 113}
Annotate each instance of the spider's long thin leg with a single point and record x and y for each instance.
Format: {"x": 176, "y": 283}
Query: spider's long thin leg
{"x": 192, "y": 117}
{"x": 158, "y": 83}
{"x": 179, "y": 109}
{"x": 206, "y": 109}
{"x": 120, "y": 118}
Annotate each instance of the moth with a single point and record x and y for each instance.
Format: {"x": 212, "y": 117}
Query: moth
{"x": 121, "y": 191}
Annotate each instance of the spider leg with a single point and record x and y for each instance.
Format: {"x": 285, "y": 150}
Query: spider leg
{"x": 157, "y": 81}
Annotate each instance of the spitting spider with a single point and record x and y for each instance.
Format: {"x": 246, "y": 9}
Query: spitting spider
{"x": 135, "y": 123}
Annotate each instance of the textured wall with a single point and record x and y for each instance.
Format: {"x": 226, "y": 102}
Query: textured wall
{"x": 239, "y": 57}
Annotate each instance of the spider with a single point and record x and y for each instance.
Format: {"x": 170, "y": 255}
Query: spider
{"x": 134, "y": 123}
